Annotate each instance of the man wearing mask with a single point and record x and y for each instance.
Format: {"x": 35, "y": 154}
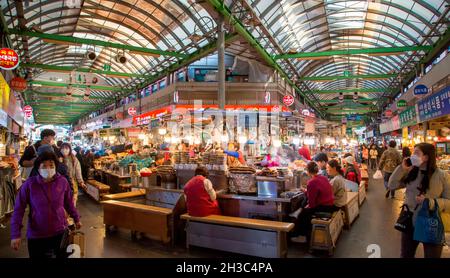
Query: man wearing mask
{"x": 30, "y": 154}
{"x": 61, "y": 168}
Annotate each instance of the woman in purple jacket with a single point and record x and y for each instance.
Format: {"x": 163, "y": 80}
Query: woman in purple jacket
{"x": 48, "y": 196}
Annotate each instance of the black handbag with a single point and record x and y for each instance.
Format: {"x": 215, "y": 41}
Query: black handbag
{"x": 405, "y": 220}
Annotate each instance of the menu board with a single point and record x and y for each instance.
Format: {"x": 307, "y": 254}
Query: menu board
{"x": 434, "y": 106}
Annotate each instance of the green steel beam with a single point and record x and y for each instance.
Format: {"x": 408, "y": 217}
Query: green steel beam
{"x": 43, "y": 101}
{"x": 72, "y": 40}
{"x": 46, "y": 94}
{"x": 348, "y": 100}
{"x": 69, "y": 69}
{"x": 341, "y": 77}
{"x": 375, "y": 51}
{"x": 83, "y": 86}
{"x": 361, "y": 90}
{"x": 222, "y": 9}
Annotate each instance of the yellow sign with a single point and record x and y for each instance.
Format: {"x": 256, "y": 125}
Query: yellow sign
{"x": 405, "y": 132}
{"x": 4, "y": 93}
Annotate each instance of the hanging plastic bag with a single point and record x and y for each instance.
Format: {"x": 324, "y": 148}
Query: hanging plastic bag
{"x": 429, "y": 227}
{"x": 378, "y": 175}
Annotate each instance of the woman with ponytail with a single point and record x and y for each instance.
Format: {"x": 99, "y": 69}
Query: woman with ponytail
{"x": 423, "y": 180}
{"x": 336, "y": 174}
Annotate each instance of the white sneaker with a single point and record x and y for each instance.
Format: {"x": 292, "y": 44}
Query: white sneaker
{"x": 299, "y": 239}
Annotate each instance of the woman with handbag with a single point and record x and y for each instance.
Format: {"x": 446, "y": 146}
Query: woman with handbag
{"x": 48, "y": 196}
{"x": 423, "y": 181}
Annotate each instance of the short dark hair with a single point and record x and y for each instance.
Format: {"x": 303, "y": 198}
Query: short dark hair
{"x": 312, "y": 168}
{"x": 45, "y": 157}
{"x": 392, "y": 144}
{"x": 202, "y": 171}
{"x": 47, "y": 132}
{"x": 321, "y": 157}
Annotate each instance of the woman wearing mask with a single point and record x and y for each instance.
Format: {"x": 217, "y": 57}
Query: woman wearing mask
{"x": 74, "y": 171}
{"x": 48, "y": 197}
{"x": 423, "y": 180}
{"x": 336, "y": 173}
{"x": 320, "y": 199}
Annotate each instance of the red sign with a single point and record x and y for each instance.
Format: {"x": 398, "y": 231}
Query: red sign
{"x": 9, "y": 59}
{"x": 18, "y": 84}
{"x": 132, "y": 111}
{"x": 144, "y": 119}
{"x": 288, "y": 100}
{"x": 388, "y": 113}
{"x": 28, "y": 110}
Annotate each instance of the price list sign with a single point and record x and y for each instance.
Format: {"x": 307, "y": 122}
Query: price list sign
{"x": 435, "y": 106}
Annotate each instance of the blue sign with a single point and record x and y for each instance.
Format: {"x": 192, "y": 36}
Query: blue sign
{"x": 351, "y": 118}
{"x": 420, "y": 90}
{"x": 434, "y": 106}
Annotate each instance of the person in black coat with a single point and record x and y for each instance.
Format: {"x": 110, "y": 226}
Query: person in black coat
{"x": 61, "y": 168}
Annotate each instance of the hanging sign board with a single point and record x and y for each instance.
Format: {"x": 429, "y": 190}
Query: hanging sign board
{"x": 9, "y": 59}
{"x": 288, "y": 100}
{"x": 405, "y": 132}
{"x": 434, "y": 106}
{"x": 420, "y": 90}
{"x": 408, "y": 117}
{"x": 132, "y": 111}
{"x": 28, "y": 111}
{"x": 388, "y": 113}
{"x": 401, "y": 103}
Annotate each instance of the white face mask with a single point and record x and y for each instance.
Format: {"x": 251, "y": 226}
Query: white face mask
{"x": 65, "y": 152}
{"x": 47, "y": 173}
{"x": 416, "y": 160}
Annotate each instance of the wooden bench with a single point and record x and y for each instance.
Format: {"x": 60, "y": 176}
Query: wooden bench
{"x": 351, "y": 208}
{"x": 325, "y": 232}
{"x": 124, "y": 195}
{"x": 96, "y": 189}
{"x": 155, "y": 222}
{"x": 362, "y": 192}
{"x": 262, "y": 238}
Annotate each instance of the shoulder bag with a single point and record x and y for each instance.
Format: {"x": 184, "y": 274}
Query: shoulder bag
{"x": 429, "y": 227}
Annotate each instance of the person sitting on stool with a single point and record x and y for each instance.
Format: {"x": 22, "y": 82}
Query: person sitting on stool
{"x": 320, "y": 199}
{"x": 200, "y": 195}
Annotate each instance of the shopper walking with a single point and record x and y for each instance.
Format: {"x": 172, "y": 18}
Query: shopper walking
{"x": 423, "y": 180}
{"x": 74, "y": 171}
{"x": 320, "y": 199}
{"x": 30, "y": 154}
{"x": 390, "y": 159}
{"x": 48, "y": 197}
{"x": 373, "y": 153}
{"x": 365, "y": 154}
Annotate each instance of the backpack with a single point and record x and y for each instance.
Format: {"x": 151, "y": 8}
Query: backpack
{"x": 351, "y": 169}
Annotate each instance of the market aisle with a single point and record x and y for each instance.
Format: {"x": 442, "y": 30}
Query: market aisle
{"x": 373, "y": 226}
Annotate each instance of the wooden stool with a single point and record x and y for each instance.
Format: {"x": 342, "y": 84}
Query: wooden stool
{"x": 325, "y": 232}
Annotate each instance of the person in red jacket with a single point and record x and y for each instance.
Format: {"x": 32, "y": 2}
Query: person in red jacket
{"x": 200, "y": 195}
{"x": 320, "y": 199}
{"x": 304, "y": 152}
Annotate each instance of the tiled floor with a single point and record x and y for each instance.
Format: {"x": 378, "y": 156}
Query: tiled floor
{"x": 373, "y": 226}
